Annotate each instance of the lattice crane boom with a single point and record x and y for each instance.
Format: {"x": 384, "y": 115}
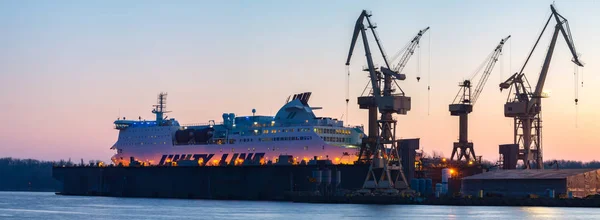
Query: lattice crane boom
{"x": 406, "y": 53}
{"x": 465, "y": 96}
{"x": 488, "y": 69}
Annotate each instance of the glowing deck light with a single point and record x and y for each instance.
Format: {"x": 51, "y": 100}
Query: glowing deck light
{"x": 443, "y": 159}
{"x": 470, "y": 162}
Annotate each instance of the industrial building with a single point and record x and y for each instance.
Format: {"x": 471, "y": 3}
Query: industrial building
{"x": 521, "y": 183}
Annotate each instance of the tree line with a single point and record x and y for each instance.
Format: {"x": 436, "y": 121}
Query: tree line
{"x": 29, "y": 174}
{"x": 570, "y": 164}
{"x": 26, "y": 175}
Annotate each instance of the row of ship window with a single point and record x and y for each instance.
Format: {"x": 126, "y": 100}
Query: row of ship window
{"x": 267, "y": 139}
{"x": 233, "y": 149}
{"x": 316, "y": 130}
{"x": 246, "y": 140}
{"x": 336, "y": 139}
{"x": 332, "y": 131}
{"x": 270, "y": 149}
{"x": 145, "y": 130}
{"x": 300, "y": 138}
{"x": 151, "y": 136}
{"x": 274, "y": 131}
{"x": 141, "y": 143}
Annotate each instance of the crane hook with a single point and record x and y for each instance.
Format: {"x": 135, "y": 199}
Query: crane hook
{"x": 576, "y": 100}
{"x": 418, "y": 78}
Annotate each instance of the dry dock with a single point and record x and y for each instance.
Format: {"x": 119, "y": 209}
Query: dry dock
{"x": 201, "y": 182}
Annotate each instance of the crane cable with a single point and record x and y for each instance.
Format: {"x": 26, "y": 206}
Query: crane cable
{"x": 576, "y": 82}
{"x": 418, "y": 62}
{"x": 509, "y": 59}
{"x": 581, "y": 78}
{"x": 429, "y": 74}
{"x": 347, "y": 91}
{"x": 501, "y": 64}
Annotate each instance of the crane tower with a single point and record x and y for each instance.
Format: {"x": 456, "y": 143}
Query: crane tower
{"x": 525, "y": 105}
{"x": 367, "y": 102}
{"x": 385, "y": 171}
{"x": 464, "y": 101}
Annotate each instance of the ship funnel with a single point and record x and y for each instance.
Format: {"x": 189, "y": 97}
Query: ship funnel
{"x": 232, "y": 118}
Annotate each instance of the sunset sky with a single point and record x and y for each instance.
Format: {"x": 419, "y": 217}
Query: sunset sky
{"x": 68, "y": 69}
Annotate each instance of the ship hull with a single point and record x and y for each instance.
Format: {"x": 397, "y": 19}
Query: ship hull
{"x": 208, "y": 182}
{"x": 214, "y": 155}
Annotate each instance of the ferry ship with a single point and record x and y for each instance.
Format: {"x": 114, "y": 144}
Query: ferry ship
{"x": 295, "y": 135}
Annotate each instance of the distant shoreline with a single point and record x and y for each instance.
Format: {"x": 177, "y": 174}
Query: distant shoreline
{"x": 24, "y": 190}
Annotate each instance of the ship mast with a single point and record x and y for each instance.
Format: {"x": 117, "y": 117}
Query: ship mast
{"x": 160, "y": 108}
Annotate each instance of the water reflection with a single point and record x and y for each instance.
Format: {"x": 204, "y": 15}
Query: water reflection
{"x": 26, "y": 205}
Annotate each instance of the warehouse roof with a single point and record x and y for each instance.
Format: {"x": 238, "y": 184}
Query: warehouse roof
{"x": 529, "y": 174}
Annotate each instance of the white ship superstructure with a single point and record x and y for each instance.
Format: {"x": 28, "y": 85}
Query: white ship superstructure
{"x": 295, "y": 133}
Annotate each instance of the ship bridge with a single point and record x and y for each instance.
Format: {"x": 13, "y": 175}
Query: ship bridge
{"x": 298, "y": 112}
{"x": 122, "y": 124}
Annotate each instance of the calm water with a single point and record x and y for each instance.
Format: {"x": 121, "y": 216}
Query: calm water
{"x": 27, "y": 205}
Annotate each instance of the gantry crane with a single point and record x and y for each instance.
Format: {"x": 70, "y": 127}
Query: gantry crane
{"x": 525, "y": 105}
{"x": 385, "y": 170}
{"x": 464, "y": 101}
